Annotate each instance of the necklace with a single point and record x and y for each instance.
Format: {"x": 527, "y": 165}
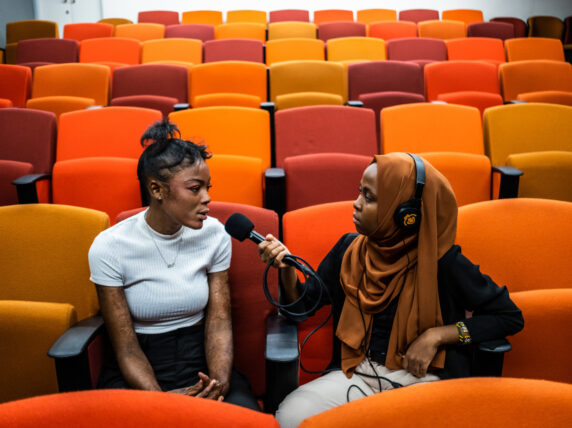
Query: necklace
{"x": 169, "y": 265}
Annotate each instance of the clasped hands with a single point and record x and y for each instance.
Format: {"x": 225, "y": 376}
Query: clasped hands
{"x": 206, "y": 387}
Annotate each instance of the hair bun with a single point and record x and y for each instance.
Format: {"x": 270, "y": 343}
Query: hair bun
{"x": 160, "y": 133}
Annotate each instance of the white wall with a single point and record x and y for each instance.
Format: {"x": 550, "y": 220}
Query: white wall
{"x": 491, "y": 8}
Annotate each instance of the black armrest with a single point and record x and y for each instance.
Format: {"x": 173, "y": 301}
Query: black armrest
{"x": 488, "y": 357}
{"x": 281, "y": 360}
{"x": 94, "y": 107}
{"x": 354, "y": 103}
{"x": 510, "y": 177}
{"x": 275, "y": 190}
{"x": 181, "y": 106}
{"x": 26, "y": 187}
{"x": 515, "y": 102}
{"x": 270, "y": 107}
{"x": 71, "y": 355}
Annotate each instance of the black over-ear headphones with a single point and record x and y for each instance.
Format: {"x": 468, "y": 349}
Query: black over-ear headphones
{"x": 408, "y": 214}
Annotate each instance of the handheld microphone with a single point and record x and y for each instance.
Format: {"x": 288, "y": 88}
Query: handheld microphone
{"x": 240, "y": 227}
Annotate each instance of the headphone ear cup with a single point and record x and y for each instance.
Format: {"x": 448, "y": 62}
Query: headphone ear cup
{"x": 407, "y": 216}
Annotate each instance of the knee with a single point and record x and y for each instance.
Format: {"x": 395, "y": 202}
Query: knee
{"x": 296, "y": 407}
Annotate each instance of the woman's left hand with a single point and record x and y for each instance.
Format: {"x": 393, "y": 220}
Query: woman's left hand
{"x": 420, "y": 353}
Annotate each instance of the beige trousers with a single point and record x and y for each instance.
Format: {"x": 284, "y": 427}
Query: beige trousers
{"x": 335, "y": 389}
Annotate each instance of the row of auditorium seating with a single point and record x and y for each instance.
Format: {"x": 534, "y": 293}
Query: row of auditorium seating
{"x": 286, "y": 84}
{"x": 121, "y": 51}
{"x": 98, "y": 149}
{"x": 528, "y": 256}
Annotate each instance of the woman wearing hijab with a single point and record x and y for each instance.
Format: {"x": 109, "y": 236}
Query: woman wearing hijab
{"x": 400, "y": 290}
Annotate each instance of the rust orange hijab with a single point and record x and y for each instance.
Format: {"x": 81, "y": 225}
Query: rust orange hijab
{"x": 392, "y": 263}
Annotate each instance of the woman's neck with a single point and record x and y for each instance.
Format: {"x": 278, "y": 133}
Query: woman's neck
{"x": 160, "y": 222}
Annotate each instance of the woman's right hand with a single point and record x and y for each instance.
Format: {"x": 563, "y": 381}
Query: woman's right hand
{"x": 272, "y": 248}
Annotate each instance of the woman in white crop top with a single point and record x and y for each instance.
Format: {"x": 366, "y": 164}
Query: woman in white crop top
{"x": 162, "y": 281}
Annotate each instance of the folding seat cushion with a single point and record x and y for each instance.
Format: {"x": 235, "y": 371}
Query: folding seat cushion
{"x": 9, "y": 171}
{"x": 165, "y": 17}
{"x": 201, "y": 32}
{"x": 529, "y": 48}
{"x": 552, "y": 97}
{"x": 115, "y": 21}
{"x": 289, "y": 15}
{"x": 331, "y": 30}
{"x": 59, "y": 104}
{"x": 417, "y": 15}
{"x": 303, "y": 99}
{"x": 234, "y": 50}
{"x": 164, "y": 104}
{"x": 87, "y": 30}
{"x": 388, "y": 30}
{"x": 478, "y": 99}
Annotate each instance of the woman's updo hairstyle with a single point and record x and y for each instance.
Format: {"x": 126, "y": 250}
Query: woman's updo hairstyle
{"x": 166, "y": 153}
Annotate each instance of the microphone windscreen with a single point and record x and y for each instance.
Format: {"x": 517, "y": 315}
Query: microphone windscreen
{"x": 239, "y": 226}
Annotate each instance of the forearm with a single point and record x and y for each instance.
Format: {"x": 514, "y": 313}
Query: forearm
{"x": 289, "y": 280}
{"x": 444, "y": 335}
{"x": 218, "y": 348}
{"x": 137, "y": 371}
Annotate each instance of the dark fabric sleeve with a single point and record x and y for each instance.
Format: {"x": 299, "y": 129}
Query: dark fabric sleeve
{"x": 329, "y": 272}
{"x": 494, "y": 314}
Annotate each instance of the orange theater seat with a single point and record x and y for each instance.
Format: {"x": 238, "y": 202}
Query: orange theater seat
{"x": 15, "y": 83}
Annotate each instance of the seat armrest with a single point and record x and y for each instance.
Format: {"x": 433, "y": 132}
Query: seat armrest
{"x": 281, "y": 360}
{"x": 270, "y": 107}
{"x": 76, "y": 370}
{"x": 354, "y": 103}
{"x": 510, "y": 178}
{"x": 275, "y": 190}
{"x": 515, "y": 102}
{"x": 26, "y": 187}
{"x": 181, "y": 106}
{"x": 488, "y": 357}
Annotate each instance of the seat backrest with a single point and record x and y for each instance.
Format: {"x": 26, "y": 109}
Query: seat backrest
{"x": 110, "y": 131}
{"x": 388, "y": 30}
{"x": 368, "y": 16}
{"x": 172, "y": 49}
{"x": 534, "y": 75}
{"x": 47, "y": 50}
{"x": 311, "y": 233}
{"x": 208, "y": 17}
{"x": 517, "y": 242}
{"x": 529, "y": 127}
{"x": 243, "y": 15}
{"x": 543, "y": 310}
{"x": 9, "y": 171}
{"x": 15, "y": 83}
{"x": 476, "y": 48}
{"x": 141, "y": 32}
{"x": 201, "y": 32}
{"x": 115, "y": 21}
{"x": 442, "y": 29}
{"x": 545, "y": 26}
{"x": 151, "y": 79}
{"x": 416, "y": 48}
{"x": 468, "y": 16}
{"x": 332, "y": 30}
{"x": 30, "y": 29}
{"x": 228, "y": 77}
{"x": 279, "y": 50}
{"x": 382, "y": 76}
{"x": 497, "y": 30}
{"x": 322, "y": 129}
{"x": 355, "y": 49}
{"x": 241, "y": 30}
{"x": 417, "y": 15}
{"x": 44, "y": 254}
{"x": 307, "y": 76}
{"x": 292, "y": 30}
{"x": 165, "y": 17}
{"x": 460, "y": 75}
{"x": 249, "y": 305}
{"x": 426, "y": 404}
{"x": 428, "y": 127}
{"x": 236, "y": 179}
{"x": 234, "y": 50}
{"x": 28, "y": 135}
{"x": 239, "y": 131}
{"x": 112, "y": 183}
{"x": 470, "y": 175}
{"x": 518, "y": 24}
{"x": 545, "y": 174}
{"x": 334, "y": 177}
{"x": 140, "y": 408}
{"x": 329, "y": 15}
{"x": 282, "y": 15}
{"x": 110, "y": 49}
{"x": 82, "y": 80}
{"x": 87, "y": 30}
{"x": 527, "y": 48}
